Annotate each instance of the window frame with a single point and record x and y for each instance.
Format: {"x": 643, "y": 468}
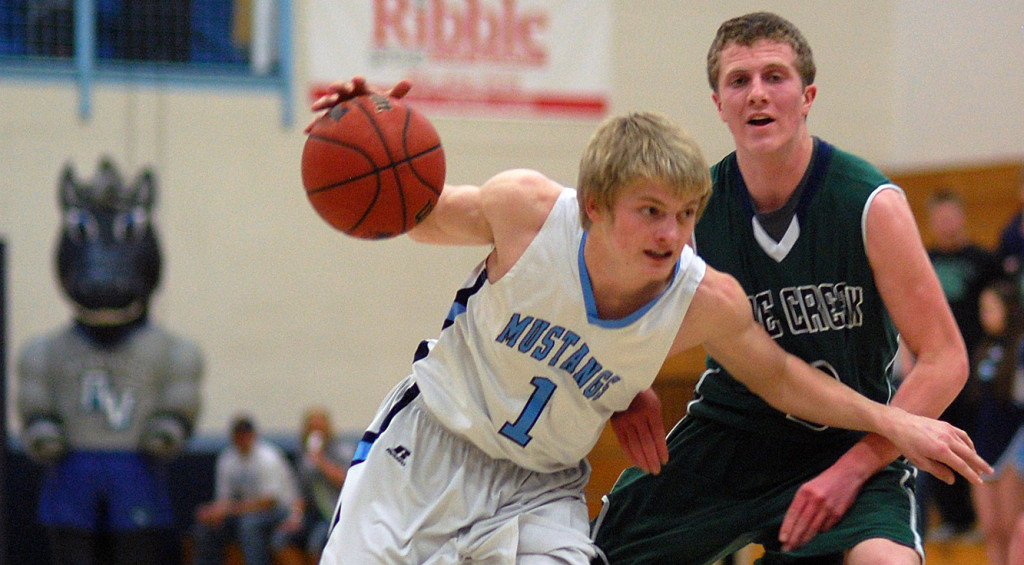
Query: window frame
{"x": 86, "y": 70}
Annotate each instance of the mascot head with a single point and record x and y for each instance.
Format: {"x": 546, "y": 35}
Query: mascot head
{"x": 108, "y": 256}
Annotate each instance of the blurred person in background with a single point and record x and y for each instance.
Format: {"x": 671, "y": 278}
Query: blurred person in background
{"x": 321, "y": 472}
{"x": 964, "y": 269}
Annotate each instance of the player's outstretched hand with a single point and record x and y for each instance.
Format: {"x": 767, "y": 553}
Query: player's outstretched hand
{"x": 641, "y": 433}
{"x": 937, "y": 447}
{"x": 342, "y": 90}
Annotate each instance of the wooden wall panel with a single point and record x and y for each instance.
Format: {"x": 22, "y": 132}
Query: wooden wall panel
{"x": 991, "y": 195}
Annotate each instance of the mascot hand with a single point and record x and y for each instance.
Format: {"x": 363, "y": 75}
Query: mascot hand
{"x": 45, "y": 441}
{"x": 163, "y": 437}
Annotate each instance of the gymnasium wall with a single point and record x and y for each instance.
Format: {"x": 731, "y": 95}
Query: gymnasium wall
{"x": 290, "y": 313}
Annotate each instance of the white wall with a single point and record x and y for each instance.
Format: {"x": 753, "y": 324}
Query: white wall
{"x": 290, "y": 313}
{"x": 959, "y": 91}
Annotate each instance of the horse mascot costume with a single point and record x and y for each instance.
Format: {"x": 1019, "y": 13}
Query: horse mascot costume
{"x": 106, "y": 401}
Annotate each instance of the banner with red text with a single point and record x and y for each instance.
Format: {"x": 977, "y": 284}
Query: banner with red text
{"x": 470, "y": 57}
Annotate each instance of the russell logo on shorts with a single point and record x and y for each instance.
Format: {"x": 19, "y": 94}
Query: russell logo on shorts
{"x": 400, "y": 453}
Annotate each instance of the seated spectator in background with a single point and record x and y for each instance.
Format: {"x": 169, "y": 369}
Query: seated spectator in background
{"x": 963, "y": 269}
{"x": 255, "y": 489}
{"x": 1011, "y": 241}
{"x": 997, "y": 376}
{"x": 321, "y": 471}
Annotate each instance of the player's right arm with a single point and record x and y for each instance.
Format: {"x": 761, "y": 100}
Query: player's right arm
{"x": 457, "y": 219}
{"x": 507, "y": 211}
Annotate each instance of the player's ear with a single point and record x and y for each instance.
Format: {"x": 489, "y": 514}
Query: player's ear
{"x": 810, "y": 91}
{"x": 718, "y": 101}
{"x": 591, "y": 208}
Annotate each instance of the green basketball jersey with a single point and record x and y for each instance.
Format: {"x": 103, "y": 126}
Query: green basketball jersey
{"x": 813, "y": 291}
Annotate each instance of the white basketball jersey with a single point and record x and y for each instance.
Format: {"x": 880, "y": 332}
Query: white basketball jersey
{"x": 526, "y": 370}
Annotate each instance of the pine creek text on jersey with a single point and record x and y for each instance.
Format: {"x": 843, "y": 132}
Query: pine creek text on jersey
{"x": 809, "y": 308}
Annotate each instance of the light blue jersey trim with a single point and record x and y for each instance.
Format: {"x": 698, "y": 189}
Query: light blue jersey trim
{"x": 591, "y": 305}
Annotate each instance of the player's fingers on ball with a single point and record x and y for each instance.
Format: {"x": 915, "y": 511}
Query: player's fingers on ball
{"x": 337, "y": 85}
{"x": 348, "y": 88}
{"x": 654, "y": 467}
{"x": 324, "y": 102}
{"x": 400, "y": 89}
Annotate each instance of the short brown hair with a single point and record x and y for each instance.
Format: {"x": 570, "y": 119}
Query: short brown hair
{"x": 243, "y": 424}
{"x": 751, "y": 28}
{"x": 945, "y": 195}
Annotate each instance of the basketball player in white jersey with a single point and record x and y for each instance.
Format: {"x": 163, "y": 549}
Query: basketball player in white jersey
{"x": 479, "y": 454}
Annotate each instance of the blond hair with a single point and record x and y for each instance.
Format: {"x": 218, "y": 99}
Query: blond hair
{"x": 637, "y": 146}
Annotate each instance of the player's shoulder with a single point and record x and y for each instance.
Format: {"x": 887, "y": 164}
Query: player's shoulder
{"x": 523, "y": 187}
{"x": 719, "y": 306}
{"x": 719, "y": 290}
{"x": 852, "y": 172}
{"x": 519, "y": 200}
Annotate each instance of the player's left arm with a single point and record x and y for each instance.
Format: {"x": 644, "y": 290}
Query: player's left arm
{"x": 918, "y": 307}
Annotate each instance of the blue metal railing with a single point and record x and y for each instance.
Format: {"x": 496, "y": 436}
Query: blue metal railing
{"x": 213, "y": 61}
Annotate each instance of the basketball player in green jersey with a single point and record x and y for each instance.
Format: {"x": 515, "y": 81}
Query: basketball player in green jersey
{"x": 828, "y": 253}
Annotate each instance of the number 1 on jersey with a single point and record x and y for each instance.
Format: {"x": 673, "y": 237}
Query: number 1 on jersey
{"x": 519, "y": 432}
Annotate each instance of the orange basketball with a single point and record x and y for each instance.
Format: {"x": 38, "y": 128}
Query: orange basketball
{"x": 373, "y": 167}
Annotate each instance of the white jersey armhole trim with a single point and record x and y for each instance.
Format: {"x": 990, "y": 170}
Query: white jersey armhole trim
{"x": 867, "y": 207}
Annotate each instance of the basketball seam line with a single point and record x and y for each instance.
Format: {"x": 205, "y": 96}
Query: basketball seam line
{"x": 376, "y": 170}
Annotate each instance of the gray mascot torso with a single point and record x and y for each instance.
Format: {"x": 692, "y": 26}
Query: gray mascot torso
{"x": 105, "y": 401}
